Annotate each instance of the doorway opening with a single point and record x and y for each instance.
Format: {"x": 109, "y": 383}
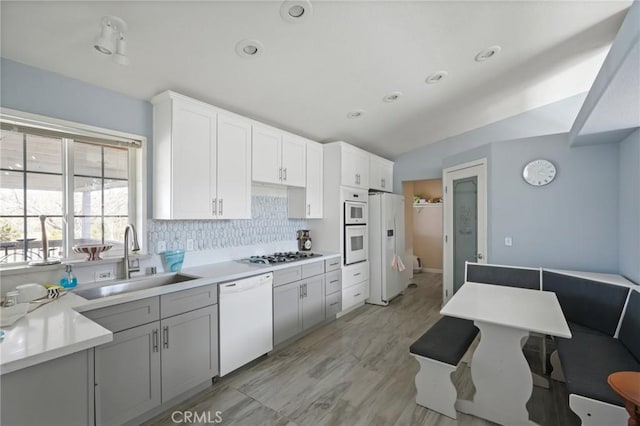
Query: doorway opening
{"x": 424, "y": 225}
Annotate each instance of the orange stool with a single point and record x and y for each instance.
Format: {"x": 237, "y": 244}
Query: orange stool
{"x": 627, "y": 385}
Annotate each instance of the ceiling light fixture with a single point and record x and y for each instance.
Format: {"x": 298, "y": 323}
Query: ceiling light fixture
{"x": 392, "y": 97}
{"x": 295, "y": 10}
{"x": 120, "y": 57}
{"x": 355, "y": 114}
{"x": 249, "y": 48}
{"x": 436, "y": 77}
{"x": 488, "y": 53}
{"x": 111, "y": 39}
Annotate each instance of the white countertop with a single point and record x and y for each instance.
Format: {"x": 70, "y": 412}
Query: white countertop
{"x": 49, "y": 332}
{"x": 58, "y": 328}
{"x": 532, "y": 310}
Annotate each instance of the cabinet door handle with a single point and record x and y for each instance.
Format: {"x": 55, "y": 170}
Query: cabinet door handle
{"x": 382, "y": 182}
{"x": 305, "y": 291}
{"x": 333, "y": 304}
{"x": 357, "y": 294}
{"x": 214, "y": 206}
{"x": 356, "y": 274}
{"x": 301, "y": 292}
{"x": 280, "y": 173}
{"x": 285, "y": 174}
{"x": 334, "y": 281}
{"x": 308, "y": 209}
{"x": 154, "y": 337}
{"x": 220, "y": 211}
{"x": 165, "y": 337}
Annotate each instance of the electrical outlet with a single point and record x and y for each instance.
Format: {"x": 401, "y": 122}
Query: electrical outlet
{"x": 190, "y": 244}
{"x": 508, "y": 241}
{"x": 103, "y": 276}
{"x": 162, "y": 246}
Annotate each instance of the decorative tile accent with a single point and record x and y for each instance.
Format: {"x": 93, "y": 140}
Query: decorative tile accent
{"x": 269, "y": 223}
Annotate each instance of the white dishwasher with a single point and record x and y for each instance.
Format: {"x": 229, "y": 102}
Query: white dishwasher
{"x": 246, "y": 321}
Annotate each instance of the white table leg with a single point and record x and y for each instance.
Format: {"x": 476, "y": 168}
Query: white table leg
{"x": 501, "y": 376}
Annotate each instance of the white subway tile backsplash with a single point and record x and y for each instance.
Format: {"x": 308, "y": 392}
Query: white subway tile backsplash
{"x": 269, "y": 223}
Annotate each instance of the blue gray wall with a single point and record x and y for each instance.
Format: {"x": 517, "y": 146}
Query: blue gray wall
{"x": 572, "y": 223}
{"x": 33, "y": 90}
{"x": 37, "y": 91}
{"x": 629, "y": 199}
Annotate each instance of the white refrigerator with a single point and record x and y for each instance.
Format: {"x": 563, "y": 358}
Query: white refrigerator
{"x": 387, "y": 275}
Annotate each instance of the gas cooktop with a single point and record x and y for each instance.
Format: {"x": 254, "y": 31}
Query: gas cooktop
{"x": 282, "y": 257}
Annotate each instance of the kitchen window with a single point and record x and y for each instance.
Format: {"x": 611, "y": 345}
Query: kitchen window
{"x": 85, "y": 182}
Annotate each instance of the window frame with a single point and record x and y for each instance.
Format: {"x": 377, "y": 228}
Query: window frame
{"x": 137, "y": 178}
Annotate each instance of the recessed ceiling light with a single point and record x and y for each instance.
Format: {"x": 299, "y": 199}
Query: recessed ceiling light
{"x": 392, "y": 97}
{"x": 488, "y": 53}
{"x": 436, "y": 77}
{"x": 249, "y": 48}
{"x": 355, "y": 114}
{"x": 295, "y": 10}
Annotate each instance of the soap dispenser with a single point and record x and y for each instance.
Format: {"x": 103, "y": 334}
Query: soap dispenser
{"x": 68, "y": 280}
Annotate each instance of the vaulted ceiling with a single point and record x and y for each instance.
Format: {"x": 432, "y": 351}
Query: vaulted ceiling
{"x": 343, "y": 56}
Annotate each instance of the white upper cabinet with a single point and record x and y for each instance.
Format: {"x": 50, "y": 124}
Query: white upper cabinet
{"x": 278, "y": 157}
{"x": 294, "y": 151}
{"x": 307, "y": 202}
{"x": 266, "y": 154}
{"x": 355, "y": 166}
{"x": 380, "y": 173}
{"x": 201, "y": 161}
{"x": 234, "y": 168}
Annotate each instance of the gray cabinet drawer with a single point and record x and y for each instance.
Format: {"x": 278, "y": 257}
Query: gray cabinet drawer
{"x": 333, "y": 304}
{"x": 332, "y": 264}
{"x": 288, "y": 275}
{"x": 126, "y": 315}
{"x": 333, "y": 282}
{"x": 312, "y": 269}
{"x": 188, "y": 300}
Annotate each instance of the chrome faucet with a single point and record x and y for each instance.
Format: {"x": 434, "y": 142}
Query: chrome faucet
{"x": 128, "y": 269}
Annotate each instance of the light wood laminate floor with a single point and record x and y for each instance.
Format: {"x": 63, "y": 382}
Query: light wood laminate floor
{"x": 354, "y": 371}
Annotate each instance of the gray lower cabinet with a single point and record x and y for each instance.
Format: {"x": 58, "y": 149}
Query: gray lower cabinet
{"x": 313, "y": 302}
{"x": 149, "y": 364}
{"x": 333, "y": 305}
{"x": 287, "y": 321}
{"x": 297, "y": 306}
{"x": 189, "y": 350}
{"x": 56, "y": 392}
{"x": 127, "y": 375}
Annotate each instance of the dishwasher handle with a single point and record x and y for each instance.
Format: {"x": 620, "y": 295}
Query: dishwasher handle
{"x": 246, "y": 284}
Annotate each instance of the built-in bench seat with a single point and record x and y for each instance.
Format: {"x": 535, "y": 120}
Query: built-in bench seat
{"x": 605, "y": 325}
{"x": 603, "y": 314}
{"x": 439, "y": 351}
{"x": 587, "y": 360}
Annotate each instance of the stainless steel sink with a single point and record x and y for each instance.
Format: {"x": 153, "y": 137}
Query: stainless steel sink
{"x": 133, "y": 285}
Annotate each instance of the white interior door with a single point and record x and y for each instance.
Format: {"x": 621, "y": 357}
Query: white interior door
{"x": 465, "y": 221}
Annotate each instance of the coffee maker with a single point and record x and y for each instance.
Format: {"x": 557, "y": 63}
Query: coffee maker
{"x": 304, "y": 240}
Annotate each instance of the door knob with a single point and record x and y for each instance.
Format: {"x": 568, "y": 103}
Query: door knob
{"x": 479, "y": 256}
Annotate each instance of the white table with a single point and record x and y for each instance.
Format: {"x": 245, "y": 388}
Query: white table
{"x": 499, "y": 370}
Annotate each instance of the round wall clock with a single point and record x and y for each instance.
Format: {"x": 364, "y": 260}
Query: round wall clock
{"x": 539, "y": 172}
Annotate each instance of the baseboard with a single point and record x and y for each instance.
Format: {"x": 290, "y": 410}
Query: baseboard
{"x": 432, "y": 270}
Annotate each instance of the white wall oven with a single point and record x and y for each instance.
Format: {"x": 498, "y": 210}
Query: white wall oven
{"x": 355, "y": 244}
{"x": 355, "y": 213}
